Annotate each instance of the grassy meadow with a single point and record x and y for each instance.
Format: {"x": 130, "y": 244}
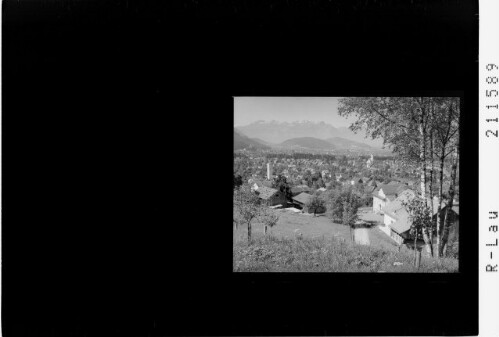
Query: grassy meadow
{"x": 324, "y": 246}
{"x": 328, "y": 254}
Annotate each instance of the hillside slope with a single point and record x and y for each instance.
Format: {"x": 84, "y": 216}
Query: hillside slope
{"x": 243, "y": 142}
{"x": 347, "y": 144}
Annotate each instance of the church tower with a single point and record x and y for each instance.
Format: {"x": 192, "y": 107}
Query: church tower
{"x": 269, "y": 171}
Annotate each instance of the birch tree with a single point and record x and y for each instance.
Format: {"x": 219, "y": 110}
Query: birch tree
{"x": 450, "y": 203}
{"x": 446, "y": 132}
{"x": 402, "y": 123}
{"x": 420, "y": 216}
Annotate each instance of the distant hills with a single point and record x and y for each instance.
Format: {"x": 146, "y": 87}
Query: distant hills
{"x": 344, "y": 144}
{"x": 308, "y": 143}
{"x": 243, "y": 142}
{"x": 277, "y": 132}
{"x": 334, "y": 143}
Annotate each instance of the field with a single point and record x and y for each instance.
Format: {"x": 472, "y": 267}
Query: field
{"x": 302, "y": 242}
{"x": 290, "y": 224}
{"x": 272, "y": 254}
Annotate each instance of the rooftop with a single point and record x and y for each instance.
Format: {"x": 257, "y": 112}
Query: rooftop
{"x": 303, "y": 198}
{"x": 266, "y": 192}
{"x": 396, "y": 208}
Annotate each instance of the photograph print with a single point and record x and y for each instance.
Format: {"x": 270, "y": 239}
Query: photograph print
{"x": 346, "y": 184}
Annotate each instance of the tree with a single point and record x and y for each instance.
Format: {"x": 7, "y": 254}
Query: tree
{"x": 238, "y": 181}
{"x": 450, "y": 203}
{"x": 315, "y": 203}
{"x": 406, "y": 124}
{"x": 339, "y": 201}
{"x": 320, "y": 183}
{"x": 247, "y": 206}
{"x": 280, "y": 183}
{"x": 269, "y": 218}
{"x": 334, "y": 204}
{"x": 349, "y": 216}
{"x": 446, "y": 129}
{"x": 420, "y": 216}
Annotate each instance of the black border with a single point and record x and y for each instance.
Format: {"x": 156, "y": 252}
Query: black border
{"x": 117, "y": 127}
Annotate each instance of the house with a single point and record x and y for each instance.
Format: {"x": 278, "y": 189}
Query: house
{"x": 453, "y": 214}
{"x": 397, "y": 223}
{"x": 256, "y": 184}
{"x": 271, "y": 196}
{"x": 369, "y": 188}
{"x": 384, "y": 194}
{"x": 300, "y": 189}
{"x": 302, "y": 200}
{"x": 396, "y": 218}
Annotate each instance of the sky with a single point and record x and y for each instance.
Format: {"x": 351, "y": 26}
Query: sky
{"x": 288, "y": 109}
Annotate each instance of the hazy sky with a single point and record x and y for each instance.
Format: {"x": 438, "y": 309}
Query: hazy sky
{"x": 288, "y": 109}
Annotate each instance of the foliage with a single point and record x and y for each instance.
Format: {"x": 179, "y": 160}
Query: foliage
{"x": 280, "y": 183}
{"x": 316, "y": 203}
{"x": 420, "y": 216}
{"x": 268, "y": 217}
{"x": 238, "y": 181}
{"x": 247, "y": 207}
{"x": 350, "y": 208}
{"x": 342, "y": 205}
{"x": 390, "y": 118}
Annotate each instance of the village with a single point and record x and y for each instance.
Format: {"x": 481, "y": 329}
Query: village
{"x": 384, "y": 184}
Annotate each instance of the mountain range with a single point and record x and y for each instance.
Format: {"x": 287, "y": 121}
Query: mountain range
{"x": 275, "y": 132}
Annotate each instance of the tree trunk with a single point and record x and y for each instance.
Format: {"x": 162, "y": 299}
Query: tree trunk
{"x": 431, "y": 189}
{"x": 249, "y": 232}
{"x": 422, "y": 158}
{"x": 415, "y": 249}
{"x": 439, "y": 206}
{"x": 427, "y": 241}
{"x": 447, "y": 221}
